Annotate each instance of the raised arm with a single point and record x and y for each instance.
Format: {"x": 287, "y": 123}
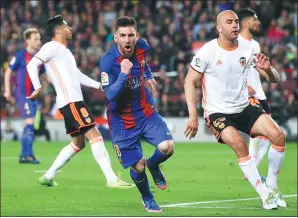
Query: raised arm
{"x": 111, "y": 83}
{"x": 264, "y": 67}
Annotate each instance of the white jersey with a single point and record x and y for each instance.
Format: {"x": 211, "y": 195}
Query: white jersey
{"x": 253, "y": 77}
{"x": 62, "y": 70}
{"x": 224, "y": 80}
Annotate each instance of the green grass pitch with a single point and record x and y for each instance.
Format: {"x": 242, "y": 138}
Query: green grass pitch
{"x": 207, "y": 173}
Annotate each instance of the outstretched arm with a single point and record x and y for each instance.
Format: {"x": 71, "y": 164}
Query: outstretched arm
{"x": 264, "y": 67}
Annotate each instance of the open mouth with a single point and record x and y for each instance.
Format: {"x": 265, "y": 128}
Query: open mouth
{"x": 127, "y": 48}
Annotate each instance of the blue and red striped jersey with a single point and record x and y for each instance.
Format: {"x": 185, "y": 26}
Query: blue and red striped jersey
{"x": 134, "y": 102}
{"x": 18, "y": 64}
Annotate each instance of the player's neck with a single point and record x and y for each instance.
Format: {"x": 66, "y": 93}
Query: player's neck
{"x": 227, "y": 44}
{"x": 59, "y": 40}
{"x": 246, "y": 34}
{"x": 31, "y": 50}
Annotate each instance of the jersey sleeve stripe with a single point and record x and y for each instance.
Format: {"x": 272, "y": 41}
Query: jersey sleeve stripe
{"x": 195, "y": 69}
{"x": 39, "y": 59}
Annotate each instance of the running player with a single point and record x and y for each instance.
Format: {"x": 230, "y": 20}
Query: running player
{"x": 23, "y": 88}
{"x": 67, "y": 80}
{"x": 250, "y": 25}
{"x": 222, "y": 66}
{"x": 131, "y": 112}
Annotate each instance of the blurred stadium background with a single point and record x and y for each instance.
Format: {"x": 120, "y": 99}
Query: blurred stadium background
{"x": 174, "y": 30}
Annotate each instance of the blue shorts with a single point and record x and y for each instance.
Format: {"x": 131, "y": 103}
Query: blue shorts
{"x": 27, "y": 107}
{"x": 127, "y": 143}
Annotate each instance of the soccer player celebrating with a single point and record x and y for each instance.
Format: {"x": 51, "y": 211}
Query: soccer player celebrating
{"x": 222, "y": 64}
{"x": 67, "y": 80}
{"x": 131, "y": 112}
{"x": 250, "y": 25}
{"x": 24, "y": 88}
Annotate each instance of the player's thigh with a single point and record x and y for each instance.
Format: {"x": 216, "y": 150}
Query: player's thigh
{"x": 156, "y": 132}
{"x": 266, "y": 126}
{"x": 127, "y": 146}
{"x": 79, "y": 141}
{"x": 232, "y": 137}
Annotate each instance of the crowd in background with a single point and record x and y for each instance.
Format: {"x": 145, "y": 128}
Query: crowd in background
{"x": 171, "y": 28}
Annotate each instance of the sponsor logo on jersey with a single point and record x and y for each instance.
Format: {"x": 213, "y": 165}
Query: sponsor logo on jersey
{"x": 134, "y": 82}
{"x": 242, "y": 61}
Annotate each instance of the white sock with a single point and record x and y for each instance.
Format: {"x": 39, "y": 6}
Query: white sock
{"x": 254, "y": 147}
{"x": 101, "y": 155}
{"x": 250, "y": 171}
{"x": 263, "y": 148}
{"x": 63, "y": 157}
{"x": 275, "y": 159}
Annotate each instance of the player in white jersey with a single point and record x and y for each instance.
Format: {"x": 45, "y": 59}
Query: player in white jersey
{"x": 250, "y": 25}
{"x": 67, "y": 79}
{"x": 222, "y": 64}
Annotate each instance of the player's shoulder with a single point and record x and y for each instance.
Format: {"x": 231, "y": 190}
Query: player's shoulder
{"x": 208, "y": 47}
{"x": 20, "y": 52}
{"x": 142, "y": 44}
{"x": 107, "y": 60}
{"x": 51, "y": 45}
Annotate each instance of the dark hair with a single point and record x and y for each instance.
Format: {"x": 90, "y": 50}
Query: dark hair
{"x": 124, "y": 22}
{"x": 28, "y": 32}
{"x": 246, "y": 13}
{"x": 51, "y": 24}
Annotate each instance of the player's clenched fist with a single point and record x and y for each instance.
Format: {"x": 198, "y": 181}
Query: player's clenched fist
{"x": 126, "y": 66}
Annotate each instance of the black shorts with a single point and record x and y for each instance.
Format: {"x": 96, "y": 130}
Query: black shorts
{"x": 77, "y": 118}
{"x": 265, "y": 106}
{"x": 243, "y": 121}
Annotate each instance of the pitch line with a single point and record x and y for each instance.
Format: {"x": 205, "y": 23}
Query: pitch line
{"x": 219, "y": 201}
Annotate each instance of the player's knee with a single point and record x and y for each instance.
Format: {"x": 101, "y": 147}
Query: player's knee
{"x": 167, "y": 147}
{"x": 279, "y": 138}
{"x": 140, "y": 166}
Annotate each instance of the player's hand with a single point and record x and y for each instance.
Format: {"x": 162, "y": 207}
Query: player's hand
{"x": 152, "y": 83}
{"x": 262, "y": 61}
{"x": 126, "y": 66}
{"x": 7, "y": 95}
{"x": 192, "y": 127}
{"x": 35, "y": 94}
{"x": 251, "y": 91}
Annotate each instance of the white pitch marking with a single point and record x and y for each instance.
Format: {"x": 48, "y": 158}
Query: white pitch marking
{"x": 239, "y": 208}
{"x": 219, "y": 201}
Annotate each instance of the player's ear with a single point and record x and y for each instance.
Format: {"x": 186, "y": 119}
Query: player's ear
{"x": 138, "y": 35}
{"x": 115, "y": 37}
{"x": 219, "y": 28}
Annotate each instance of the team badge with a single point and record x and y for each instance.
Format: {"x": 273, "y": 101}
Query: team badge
{"x": 242, "y": 61}
{"x": 104, "y": 79}
{"x": 198, "y": 62}
{"x": 88, "y": 120}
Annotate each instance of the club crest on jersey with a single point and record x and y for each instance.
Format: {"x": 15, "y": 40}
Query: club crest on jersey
{"x": 88, "y": 120}
{"x": 242, "y": 61}
{"x": 198, "y": 62}
{"x": 104, "y": 79}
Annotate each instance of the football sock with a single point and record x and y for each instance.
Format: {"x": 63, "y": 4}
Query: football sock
{"x": 141, "y": 181}
{"x": 29, "y": 139}
{"x": 254, "y": 147}
{"x": 276, "y": 156}
{"x": 264, "y": 145}
{"x": 157, "y": 158}
{"x": 101, "y": 156}
{"x": 250, "y": 171}
{"x": 24, "y": 142}
{"x": 63, "y": 157}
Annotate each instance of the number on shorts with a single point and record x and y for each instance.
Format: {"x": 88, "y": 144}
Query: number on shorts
{"x": 118, "y": 152}
{"x": 27, "y": 108}
{"x": 84, "y": 112}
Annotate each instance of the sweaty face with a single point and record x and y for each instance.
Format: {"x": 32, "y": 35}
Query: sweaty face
{"x": 254, "y": 24}
{"x": 229, "y": 26}
{"x": 34, "y": 41}
{"x": 126, "y": 38}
